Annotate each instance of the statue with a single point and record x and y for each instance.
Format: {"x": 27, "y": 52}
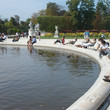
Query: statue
{"x": 37, "y": 26}
{"x": 37, "y": 30}
{"x": 34, "y": 32}
{"x": 56, "y": 32}
{"x": 31, "y": 31}
{"x": 31, "y": 25}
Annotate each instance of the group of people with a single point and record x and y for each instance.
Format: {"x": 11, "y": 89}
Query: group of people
{"x": 102, "y": 45}
{"x": 63, "y": 41}
{"x": 86, "y": 43}
{"x": 32, "y": 40}
{"x": 103, "y": 48}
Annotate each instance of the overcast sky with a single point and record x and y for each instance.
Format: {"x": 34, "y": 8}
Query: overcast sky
{"x": 24, "y": 8}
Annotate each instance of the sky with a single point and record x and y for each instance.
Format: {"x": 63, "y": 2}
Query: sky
{"x": 25, "y": 8}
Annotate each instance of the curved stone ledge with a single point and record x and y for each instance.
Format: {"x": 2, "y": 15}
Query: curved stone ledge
{"x": 96, "y": 95}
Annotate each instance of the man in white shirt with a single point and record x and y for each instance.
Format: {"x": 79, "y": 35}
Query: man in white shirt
{"x": 104, "y": 50}
{"x": 4, "y": 37}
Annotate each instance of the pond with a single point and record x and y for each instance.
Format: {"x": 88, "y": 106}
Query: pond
{"x": 43, "y": 78}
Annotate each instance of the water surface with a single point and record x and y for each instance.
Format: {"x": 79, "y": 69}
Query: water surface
{"x": 43, "y": 79}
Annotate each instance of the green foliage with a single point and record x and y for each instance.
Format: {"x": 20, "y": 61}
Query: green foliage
{"x": 52, "y": 9}
{"x": 73, "y": 5}
{"x": 9, "y": 24}
{"x": 87, "y": 13}
{"x": 14, "y": 31}
{"x": 82, "y": 13}
{"x": 10, "y": 31}
{"x": 48, "y": 23}
{"x": 18, "y": 30}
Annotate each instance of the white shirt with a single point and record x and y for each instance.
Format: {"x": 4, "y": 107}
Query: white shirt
{"x": 104, "y": 46}
{"x": 4, "y": 37}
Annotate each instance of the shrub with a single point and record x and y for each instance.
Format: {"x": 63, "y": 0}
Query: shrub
{"x": 10, "y": 31}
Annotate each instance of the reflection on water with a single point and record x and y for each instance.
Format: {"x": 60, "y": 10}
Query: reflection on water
{"x": 43, "y": 79}
{"x": 3, "y": 50}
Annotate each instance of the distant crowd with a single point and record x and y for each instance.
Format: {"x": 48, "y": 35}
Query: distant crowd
{"x": 102, "y": 45}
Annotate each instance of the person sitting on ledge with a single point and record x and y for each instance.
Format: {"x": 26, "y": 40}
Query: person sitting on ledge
{"x": 104, "y": 50}
{"x": 60, "y": 41}
{"x": 86, "y": 40}
{"x": 99, "y": 43}
{"x": 15, "y": 39}
{"x": 2, "y": 38}
{"x": 85, "y": 45}
{"x": 71, "y": 42}
{"x": 34, "y": 40}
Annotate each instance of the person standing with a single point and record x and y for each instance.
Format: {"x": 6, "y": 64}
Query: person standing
{"x": 102, "y": 36}
{"x": 39, "y": 34}
{"x": 17, "y": 35}
{"x": 87, "y": 34}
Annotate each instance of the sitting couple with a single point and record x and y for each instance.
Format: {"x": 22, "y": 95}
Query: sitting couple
{"x": 15, "y": 39}
{"x": 103, "y": 48}
{"x": 31, "y": 41}
{"x": 87, "y": 43}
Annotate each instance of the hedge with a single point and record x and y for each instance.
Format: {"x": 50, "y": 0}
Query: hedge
{"x": 48, "y": 23}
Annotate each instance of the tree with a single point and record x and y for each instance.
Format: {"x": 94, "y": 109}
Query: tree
{"x": 9, "y": 24}
{"x": 42, "y": 13}
{"x": 24, "y": 25}
{"x": 107, "y": 3}
{"x": 87, "y": 13}
{"x": 97, "y": 21}
{"x": 34, "y": 18}
{"x": 107, "y": 23}
{"x": 101, "y": 15}
{"x": 101, "y": 8}
{"x": 73, "y": 6}
{"x": 82, "y": 13}
{"x": 52, "y": 9}
{"x": 12, "y": 19}
{"x": 62, "y": 12}
{"x": 10, "y": 30}
{"x": 17, "y": 19}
